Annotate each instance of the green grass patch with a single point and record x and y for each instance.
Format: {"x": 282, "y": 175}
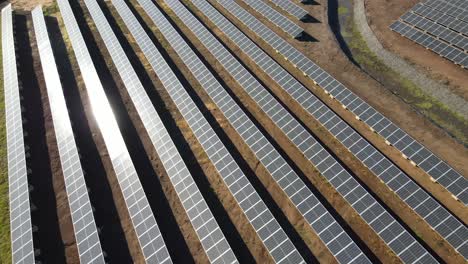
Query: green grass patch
{"x": 429, "y": 106}
{"x": 342, "y": 10}
{"x": 51, "y": 10}
{"x": 5, "y": 246}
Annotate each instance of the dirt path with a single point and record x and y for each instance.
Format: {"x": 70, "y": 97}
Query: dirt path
{"x": 435, "y": 89}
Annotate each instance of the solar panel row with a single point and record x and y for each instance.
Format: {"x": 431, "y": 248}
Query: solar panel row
{"x": 87, "y": 239}
{"x": 202, "y": 219}
{"x": 275, "y": 17}
{"x": 22, "y": 248}
{"x": 349, "y": 188}
{"x": 144, "y": 223}
{"x": 441, "y": 18}
{"x": 456, "y": 9}
{"x": 280, "y": 248}
{"x": 459, "y": 3}
{"x": 452, "y": 37}
{"x": 339, "y": 243}
{"x": 414, "y": 196}
{"x": 441, "y": 32}
{"x": 409, "y": 147}
{"x": 290, "y": 7}
{"x": 440, "y": 47}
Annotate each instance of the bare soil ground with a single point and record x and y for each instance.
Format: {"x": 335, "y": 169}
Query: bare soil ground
{"x": 382, "y": 13}
{"x": 28, "y": 5}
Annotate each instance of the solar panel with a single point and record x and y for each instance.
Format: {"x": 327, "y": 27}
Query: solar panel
{"x": 290, "y": 7}
{"x": 439, "y": 31}
{"x": 87, "y": 239}
{"x": 209, "y": 233}
{"x": 268, "y": 229}
{"x": 441, "y": 18}
{"x": 457, "y": 9}
{"x": 276, "y": 18}
{"x": 144, "y": 223}
{"x": 404, "y": 187}
{"x": 428, "y": 26}
{"x": 346, "y": 185}
{"x": 22, "y": 248}
{"x": 427, "y": 161}
{"x": 438, "y": 46}
{"x": 306, "y": 203}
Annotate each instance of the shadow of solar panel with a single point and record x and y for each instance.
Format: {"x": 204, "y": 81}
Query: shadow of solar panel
{"x": 292, "y": 129}
{"x": 87, "y": 239}
{"x": 276, "y": 18}
{"x": 290, "y": 7}
{"x": 275, "y": 240}
{"x": 22, "y": 249}
{"x": 144, "y": 223}
{"x": 212, "y": 239}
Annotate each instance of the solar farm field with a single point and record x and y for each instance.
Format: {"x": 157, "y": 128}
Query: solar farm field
{"x": 215, "y": 131}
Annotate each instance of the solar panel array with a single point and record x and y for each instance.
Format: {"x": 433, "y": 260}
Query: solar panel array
{"x": 144, "y": 223}
{"x": 438, "y": 46}
{"x": 454, "y": 38}
{"x": 86, "y": 235}
{"x": 439, "y": 170}
{"x": 212, "y": 239}
{"x": 280, "y": 248}
{"x": 414, "y": 196}
{"x": 22, "y": 248}
{"x": 441, "y": 18}
{"x": 372, "y": 212}
{"x": 439, "y": 31}
{"x": 455, "y": 8}
{"x": 276, "y": 18}
{"x": 337, "y": 240}
{"x": 290, "y": 7}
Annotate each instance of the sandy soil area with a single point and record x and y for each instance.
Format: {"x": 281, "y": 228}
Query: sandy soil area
{"x": 381, "y": 14}
{"x": 28, "y": 5}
